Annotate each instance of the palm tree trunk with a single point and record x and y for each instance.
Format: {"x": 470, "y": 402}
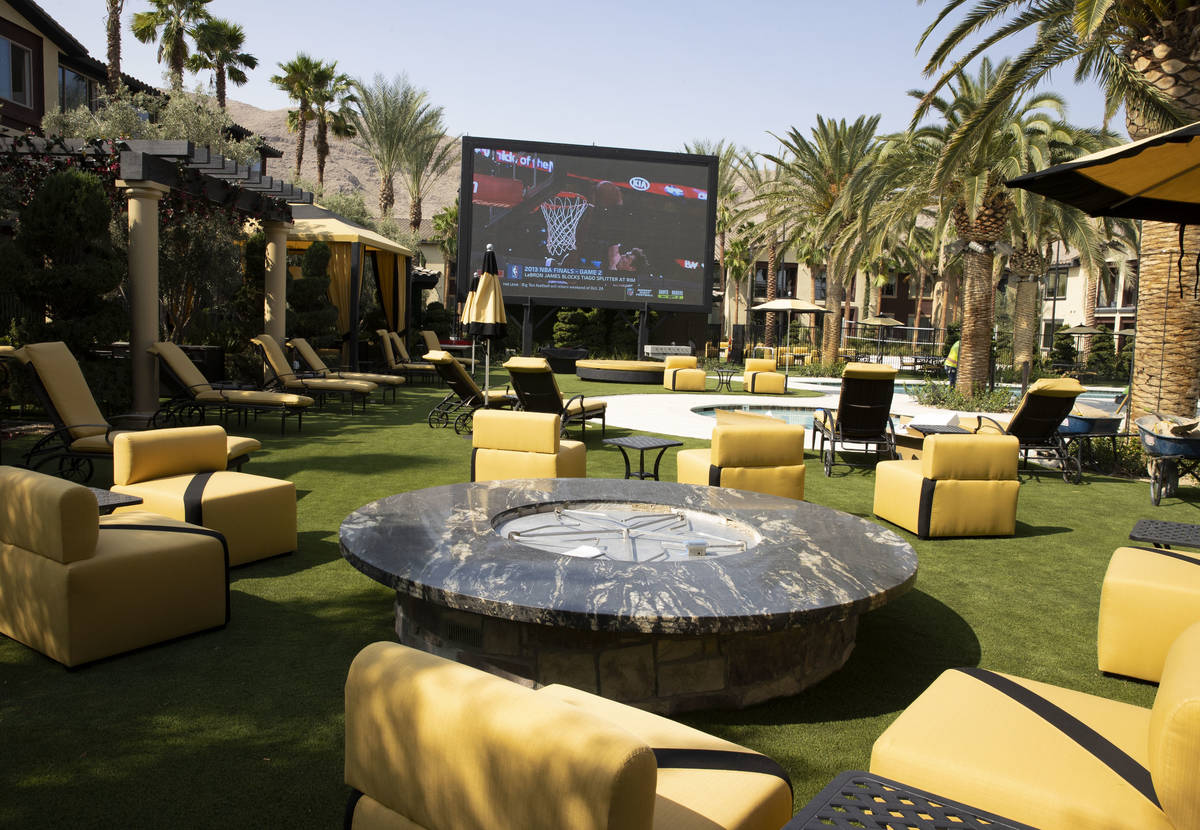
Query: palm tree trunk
{"x": 1166, "y": 374}
{"x": 301, "y": 129}
{"x": 1025, "y": 319}
{"x": 1167, "y": 349}
{"x": 113, "y": 82}
{"x": 922, "y": 273}
{"x": 322, "y": 145}
{"x": 835, "y": 291}
{"x": 221, "y": 85}
{"x": 772, "y": 289}
{"x": 975, "y": 351}
{"x": 1089, "y": 313}
{"x": 414, "y": 213}
{"x": 387, "y": 195}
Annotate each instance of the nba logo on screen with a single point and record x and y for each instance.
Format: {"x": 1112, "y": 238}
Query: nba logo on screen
{"x": 638, "y": 183}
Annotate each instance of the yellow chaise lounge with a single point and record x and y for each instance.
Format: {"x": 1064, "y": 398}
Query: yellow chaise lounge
{"x": 435, "y": 745}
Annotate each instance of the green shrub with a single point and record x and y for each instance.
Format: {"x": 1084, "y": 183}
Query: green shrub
{"x": 945, "y": 396}
{"x": 311, "y": 315}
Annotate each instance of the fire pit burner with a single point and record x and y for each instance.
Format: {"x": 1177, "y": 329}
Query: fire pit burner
{"x": 625, "y": 531}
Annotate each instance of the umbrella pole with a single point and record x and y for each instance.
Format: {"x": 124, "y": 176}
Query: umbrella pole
{"x": 487, "y": 369}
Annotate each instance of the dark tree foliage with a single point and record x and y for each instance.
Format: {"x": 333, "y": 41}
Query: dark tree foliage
{"x": 311, "y": 315}
{"x": 68, "y": 275}
{"x": 1102, "y": 359}
{"x": 1063, "y": 350}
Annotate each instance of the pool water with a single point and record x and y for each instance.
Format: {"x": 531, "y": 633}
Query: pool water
{"x": 801, "y": 415}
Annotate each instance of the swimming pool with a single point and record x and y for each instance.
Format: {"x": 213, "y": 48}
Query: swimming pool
{"x": 802, "y": 415}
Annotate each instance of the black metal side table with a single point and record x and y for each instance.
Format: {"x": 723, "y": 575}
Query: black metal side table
{"x": 724, "y": 378}
{"x": 858, "y": 799}
{"x": 108, "y": 501}
{"x": 1164, "y": 534}
{"x": 641, "y": 443}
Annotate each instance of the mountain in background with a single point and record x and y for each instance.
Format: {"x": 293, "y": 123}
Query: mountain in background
{"x": 348, "y": 168}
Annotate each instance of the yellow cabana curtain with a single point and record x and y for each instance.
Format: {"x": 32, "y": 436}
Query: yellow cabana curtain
{"x": 339, "y": 284}
{"x": 385, "y": 261}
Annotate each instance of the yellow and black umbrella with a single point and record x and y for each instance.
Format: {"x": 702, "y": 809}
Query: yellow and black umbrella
{"x": 1157, "y": 178}
{"x": 483, "y": 312}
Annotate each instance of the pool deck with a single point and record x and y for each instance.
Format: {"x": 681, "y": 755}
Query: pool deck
{"x": 671, "y": 414}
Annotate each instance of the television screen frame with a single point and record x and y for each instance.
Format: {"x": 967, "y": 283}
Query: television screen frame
{"x": 467, "y": 255}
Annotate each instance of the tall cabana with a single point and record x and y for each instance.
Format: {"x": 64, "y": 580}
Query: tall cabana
{"x": 352, "y": 246}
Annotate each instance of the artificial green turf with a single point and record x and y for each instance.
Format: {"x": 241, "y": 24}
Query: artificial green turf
{"x": 242, "y": 727}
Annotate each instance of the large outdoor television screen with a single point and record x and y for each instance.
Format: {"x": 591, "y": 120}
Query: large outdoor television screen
{"x": 589, "y": 226}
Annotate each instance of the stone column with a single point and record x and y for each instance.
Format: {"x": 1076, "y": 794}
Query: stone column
{"x": 143, "y": 289}
{"x": 275, "y": 287}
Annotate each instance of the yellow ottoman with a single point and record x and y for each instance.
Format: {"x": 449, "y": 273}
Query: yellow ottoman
{"x": 681, "y": 374}
{"x": 180, "y": 473}
{"x": 1148, "y": 598}
{"x": 761, "y": 378}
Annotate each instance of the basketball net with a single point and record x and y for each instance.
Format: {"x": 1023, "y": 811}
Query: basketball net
{"x": 562, "y": 214}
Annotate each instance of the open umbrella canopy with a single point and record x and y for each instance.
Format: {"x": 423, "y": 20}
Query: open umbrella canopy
{"x": 1157, "y": 178}
{"x": 874, "y": 320}
{"x": 1082, "y": 329}
{"x": 788, "y": 304}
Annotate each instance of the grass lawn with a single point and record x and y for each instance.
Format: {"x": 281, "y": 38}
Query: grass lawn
{"x": 243, "y": 727}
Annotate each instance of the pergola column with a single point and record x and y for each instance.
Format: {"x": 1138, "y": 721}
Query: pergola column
{"x": 143, "y": 289}
{"x": 275, "y": 287}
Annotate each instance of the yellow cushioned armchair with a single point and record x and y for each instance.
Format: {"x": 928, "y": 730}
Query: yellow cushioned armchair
{"x": 523, "y": 445}
{"x": 1052, "y": 757}
{"x": 963, "y": 485}
{"x": 681, "y": 374}
{"x": 435, "y": 745}
{"x": 1148, "y": 597}
{"x": 77, "y": 587}
{"x": 761, "y": 378}
{"x": 179, "y": 473}
{"x": 749, "y": 452}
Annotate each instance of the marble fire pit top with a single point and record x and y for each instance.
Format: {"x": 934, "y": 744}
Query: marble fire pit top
{"x": 811, "y": 563}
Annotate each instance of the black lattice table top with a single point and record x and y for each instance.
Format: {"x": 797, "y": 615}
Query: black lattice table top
{"x": 1166, "y": 533}
{"x": 858, "y": 800}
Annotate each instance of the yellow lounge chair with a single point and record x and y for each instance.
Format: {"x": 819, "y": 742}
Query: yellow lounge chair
{"x": 465, "y": 395}
{"x": 309, "y": 358}
{"x": 537, "y": 391}
{"x": 194, "y": 395}
{"x": 863, "y": 415}
{"x": 395, "y": 356}
{"x": 81, "y": 433}
{"x": 288, "y": 380}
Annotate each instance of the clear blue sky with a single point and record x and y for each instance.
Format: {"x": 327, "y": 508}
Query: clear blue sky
{"x": 648, "y": 74}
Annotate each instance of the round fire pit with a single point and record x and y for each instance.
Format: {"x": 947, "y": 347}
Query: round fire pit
{"x": 668, "y": 596}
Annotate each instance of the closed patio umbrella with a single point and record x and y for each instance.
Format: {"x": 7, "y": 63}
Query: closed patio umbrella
{"x": 483, "y": 313}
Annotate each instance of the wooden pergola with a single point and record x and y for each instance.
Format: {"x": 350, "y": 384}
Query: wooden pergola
{"x": 148, "y": 171}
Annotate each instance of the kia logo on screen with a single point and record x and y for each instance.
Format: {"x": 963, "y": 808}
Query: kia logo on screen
{"x": 638, "y": 183}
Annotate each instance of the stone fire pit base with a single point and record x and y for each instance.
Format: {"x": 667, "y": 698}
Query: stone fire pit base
{"x": 664, "y": 673}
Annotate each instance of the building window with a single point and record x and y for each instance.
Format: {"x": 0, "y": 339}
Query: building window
{"x": 1048, "y": 329}
{"x": 1056, "y": 283}
{"x": 819, "y": 285}
{"x": 16, "y": 72}
{"x": 888, "y": 289}
{"x": 74, "y": 90}
{"x": 1106, "y": 286}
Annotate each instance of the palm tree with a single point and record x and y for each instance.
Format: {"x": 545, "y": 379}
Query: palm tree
{"x": 816, "y": 176}
{"x": 297, "y": 78}
{"x": 385, "y": 116}
{"x": 727, "y": 191}
{"x": 1143, "y": 53}
{"x": 966, "y": 181}
{"x": 428, "y": 155}
{"x": 332, "y": 95}
{"x": 219, "y": 50}
{"x": 171, "y": 23}
{"x": 445, "y": 233}
{"x": 113, "y": 26}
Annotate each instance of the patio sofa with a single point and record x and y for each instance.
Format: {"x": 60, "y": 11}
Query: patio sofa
{"x": 435, "y": 745}
{"x": 1055, "y": 758}
{"x": 77, "y": 587}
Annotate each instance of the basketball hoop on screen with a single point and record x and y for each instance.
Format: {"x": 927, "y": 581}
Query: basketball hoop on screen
{"x": 562, "y": 213}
